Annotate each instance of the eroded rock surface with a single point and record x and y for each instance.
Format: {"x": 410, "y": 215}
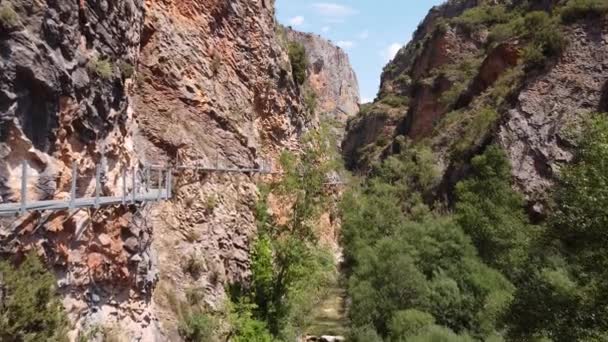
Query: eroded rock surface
{"x": 452, "y": 89}
{"x": 330, "y": 75}
{"x": 113, "y": 84}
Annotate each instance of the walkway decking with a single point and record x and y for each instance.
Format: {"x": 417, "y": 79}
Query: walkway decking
{"x": 142, "y": 190}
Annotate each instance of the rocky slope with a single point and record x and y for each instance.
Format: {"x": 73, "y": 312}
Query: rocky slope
{"x": 125, "y": 84}
{"x": 330, "y": 76}
{"x": 468, "y": 78}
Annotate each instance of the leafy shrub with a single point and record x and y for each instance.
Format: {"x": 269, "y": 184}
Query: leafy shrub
{"x": 299, "y": 61}
{"x": 408, "y": 323}
{"x": 582, "y": 198}
{"x": 211, "y": 203}
{"x": 30, "y": 309}
{"x": 310, "y": 101}
{"x": 541, "y": 33}
{"x": 460, "y": 74}
{"x": 395, "y": 101}
{"x": 494, "y": 219}
{"x": 245, "y": 328}
{"x": 565, "y": 286}
{"x": 101, "y": 67}
{"x": 475, "y": 124}
{"x": 440, "y": 334}
{"x": 126, "y": 69}
{"x": 8, "y": 17}
{"x": 289, "y": 270}
{"x": 545, "y": 35}
{"x": 579, "y": 9}
{"x": 197, "y": 327}
{"x": 485, "y": 15}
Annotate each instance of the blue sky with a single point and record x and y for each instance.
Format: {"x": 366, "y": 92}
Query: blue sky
{"x": 370, "y": 32}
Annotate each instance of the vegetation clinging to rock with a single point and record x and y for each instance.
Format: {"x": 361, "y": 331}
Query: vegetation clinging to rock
{"x": 8, "y": 17}
{"x": 299, "y": 61}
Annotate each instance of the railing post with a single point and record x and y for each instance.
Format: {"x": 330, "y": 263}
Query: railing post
{"x": 160, "y": 183}
{"x": 134, "y": 191}
{"x": 147, "y": 177}
{"x": 97, "y": 185}
{"x": 73, "y": 188}
{"x": 124, "y": 186}
{"x": 168, "y": 185}
{"x": 23, "y": 186}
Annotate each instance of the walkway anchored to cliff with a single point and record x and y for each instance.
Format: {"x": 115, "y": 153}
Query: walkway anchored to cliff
{"x": 137, "y": 186}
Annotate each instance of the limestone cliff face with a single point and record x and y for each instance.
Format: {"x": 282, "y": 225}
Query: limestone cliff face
{"x": 214, "y": 86}
{"x": 330, "y": 76}
{"x": 124, "y": 83}
{"x": 455, "y": 89}
{"x": 65, "y": 80}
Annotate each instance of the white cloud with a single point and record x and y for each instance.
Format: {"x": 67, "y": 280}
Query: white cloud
{"x": 389, "y": 52}
{"x": 345, "y": 44}
{"x": 334, "y": 12}
{"x": 325, "y": 29}
{"x": 364, "y": 35}
{"x": 366, "y": 100}
{"x": 296, "y": 21}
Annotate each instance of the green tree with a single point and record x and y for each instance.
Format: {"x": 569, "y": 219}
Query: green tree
{"x": 564, "y": 295}
{"x": 30, "y": 309}
{"x": 492, "y": 213}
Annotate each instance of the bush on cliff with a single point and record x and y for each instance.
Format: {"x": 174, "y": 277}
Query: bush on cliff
{"x": 30, "y": 309}
{"x": 299, "y": 61}
{"x": 580, "y": 9}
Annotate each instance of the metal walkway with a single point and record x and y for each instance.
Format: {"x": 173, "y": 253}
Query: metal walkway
{"x": 141, "y": 189}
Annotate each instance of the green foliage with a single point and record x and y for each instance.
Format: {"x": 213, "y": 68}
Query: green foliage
{"x": 126, "y": 69}
{"x": 30, "y": 309}
{"x": 474, "y": 125}
{"x": 8, "y": 17}
{"x": 364, "y": 334}
{"x": 197, "y": 327}
{"x": 440, "y": 334}
{"x": 460, "y": 74}
{"x": 299, "y": 61}
{"x": 492, "y": 213}
{"x": 579, "y": 9}
{"x": 395, "y": 101}
{"x": 541, "y": 33}
{"x": 289, "y": 272}
{"x": 408, "y": 323}
{"x": 581, "y": 211}
{"x": 563, "y": 295}
{"x": 482, "y": 16}
{"x": 310, "y": 101}
{"x": 210, "y": 203}
{"x": 245, "y": 328}
{"x": 408, "y": 267}
{"x": 101, "y": 67}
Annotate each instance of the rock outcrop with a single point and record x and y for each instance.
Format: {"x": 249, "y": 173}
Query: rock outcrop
{"x": 66, "y": 74}
{"x": 214, "y": 86}
{"x": 455, "y": 89}
{"x": 330, "y": 76}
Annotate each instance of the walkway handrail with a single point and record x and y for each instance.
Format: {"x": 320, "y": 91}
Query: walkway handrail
{"x": 148, "y": 193}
